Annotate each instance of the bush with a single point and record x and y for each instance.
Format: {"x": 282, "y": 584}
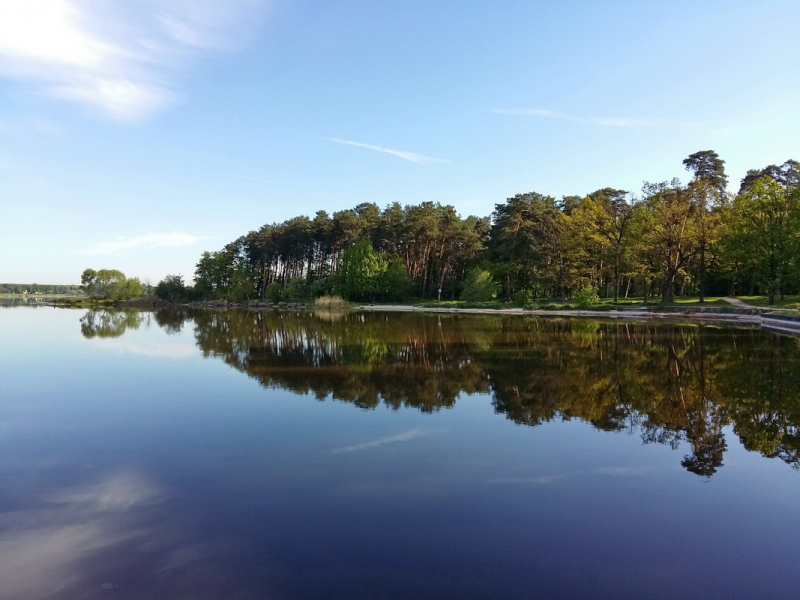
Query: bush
{"x": 273, "y": 292}
{"x": 521, "y": 298}
{"x": 298, "y": 289}
{"x": 479, "y": 286}
{"x": 585, "y": 296}
{"x": 172, "y": 289}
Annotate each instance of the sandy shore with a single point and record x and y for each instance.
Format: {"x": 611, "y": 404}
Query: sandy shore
{"x": 604, "y": 314}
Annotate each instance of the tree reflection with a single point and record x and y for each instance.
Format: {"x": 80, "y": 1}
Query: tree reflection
{"x": 110, "y": 323}
{"x": 671, "y": 383}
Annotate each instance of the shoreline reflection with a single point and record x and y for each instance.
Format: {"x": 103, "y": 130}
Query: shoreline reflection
{"x": 669, "y": 382}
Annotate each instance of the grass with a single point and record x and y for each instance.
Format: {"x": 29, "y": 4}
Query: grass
{"x": 331, "y": 302}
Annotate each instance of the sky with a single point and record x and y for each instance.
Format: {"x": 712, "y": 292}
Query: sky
{"x": 136, "y": 135}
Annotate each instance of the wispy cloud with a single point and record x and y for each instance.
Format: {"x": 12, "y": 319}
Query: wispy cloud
{"x": 61, "y": 543}
{"x": 152, "y": 240}
{"x": 411, "y": 156}
{"x": 405, "y": 436}
{"x": 119, "y": 57}
{"x": 602, "y": 121}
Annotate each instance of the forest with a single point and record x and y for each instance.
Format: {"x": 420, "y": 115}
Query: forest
{"x": 37, "y": 288}
{"x": 672, "y": 239}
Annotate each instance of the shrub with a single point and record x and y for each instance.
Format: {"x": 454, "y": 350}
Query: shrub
{"x": 173, "y": 289}
{"x": 522, "y": 298}
{"x": 273, "y": 292}
{"x": 585, "y": 296}
{"x": 479, "y": 286}
{"x": 297, "y": 289}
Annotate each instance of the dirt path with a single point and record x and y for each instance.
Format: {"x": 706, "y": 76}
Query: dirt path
{"x": 606, "y": 314}
{"x": 737, "y": 303}
{"x": 741, "y": 304}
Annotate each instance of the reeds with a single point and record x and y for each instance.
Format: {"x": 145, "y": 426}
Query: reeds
{"x": 330, "y": 302}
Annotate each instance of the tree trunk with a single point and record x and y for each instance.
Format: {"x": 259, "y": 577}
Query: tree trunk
{"x": 668, "y": 289}
{"x": 702, "y": 273}
{"x": 441, "y": 284}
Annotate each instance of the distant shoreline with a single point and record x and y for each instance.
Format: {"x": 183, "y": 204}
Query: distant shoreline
{"x": 751, "y": 316}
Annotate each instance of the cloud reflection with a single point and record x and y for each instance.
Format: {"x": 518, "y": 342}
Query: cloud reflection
{"x": 150, "y": 350}
{"x": 404, "y": 436}
{"x": 45, "y": 550}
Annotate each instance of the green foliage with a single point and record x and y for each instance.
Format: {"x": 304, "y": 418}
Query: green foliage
{"x": 322, "y": 287}
{"x": 241, "y": 287}
{"x": 526, "y": 243}
{"x": 273, "y": 293}
{"x": 360, "y": 269}
{"x": 521, "y": 298}
{"x": 111, "y": 284}
{"x": 763, "y": 224}
{"x": 586, "y": 295}
{"x": 479, "y": 286}
{"x": 298, "y": 290}
{"x": 173, "y": 289}
{"x": 676, "y": 240}
{"x": 365, "y": 274}
{"x": 392, "y": 282}
{"x": 213, "y": 274}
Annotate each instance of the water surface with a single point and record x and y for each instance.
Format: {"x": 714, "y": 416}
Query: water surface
{"x": 210, "y": 454}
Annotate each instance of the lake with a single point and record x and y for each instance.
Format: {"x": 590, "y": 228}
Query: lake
{"x": 191, "y": 454}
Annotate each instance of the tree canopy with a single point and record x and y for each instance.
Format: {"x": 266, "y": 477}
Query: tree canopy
{"x": 673, "y": 239}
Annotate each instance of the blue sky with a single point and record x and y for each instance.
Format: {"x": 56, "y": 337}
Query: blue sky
{"x": 135, "y": 135}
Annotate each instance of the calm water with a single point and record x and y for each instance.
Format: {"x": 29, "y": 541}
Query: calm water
{"x": 232, "y": 455}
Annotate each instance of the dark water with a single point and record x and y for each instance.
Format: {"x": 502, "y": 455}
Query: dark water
{"x": 194, "y": 455}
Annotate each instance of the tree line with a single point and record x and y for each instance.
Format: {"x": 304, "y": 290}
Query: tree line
{"x": 37, "y": 288}
{"x": 673, "y": 239}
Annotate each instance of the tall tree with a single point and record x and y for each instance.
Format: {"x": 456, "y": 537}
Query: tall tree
{"x": 764, "y": 223}
{"x": 708, "y": 189}
{"x": 669, "y": 230}
{"x": 525, "y": 243}
{"x": 787, "y": 175}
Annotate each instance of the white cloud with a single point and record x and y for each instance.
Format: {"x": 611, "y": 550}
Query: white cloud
{"x": 152, "y": 240}
{"x": 411, "y": 156}
{"x": 119, "y": 57}
{"x": 603, "y": 121}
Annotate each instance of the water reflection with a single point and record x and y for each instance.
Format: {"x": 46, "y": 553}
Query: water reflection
{"x": 104, "y": 323}
{"x": 670, "y": 383}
